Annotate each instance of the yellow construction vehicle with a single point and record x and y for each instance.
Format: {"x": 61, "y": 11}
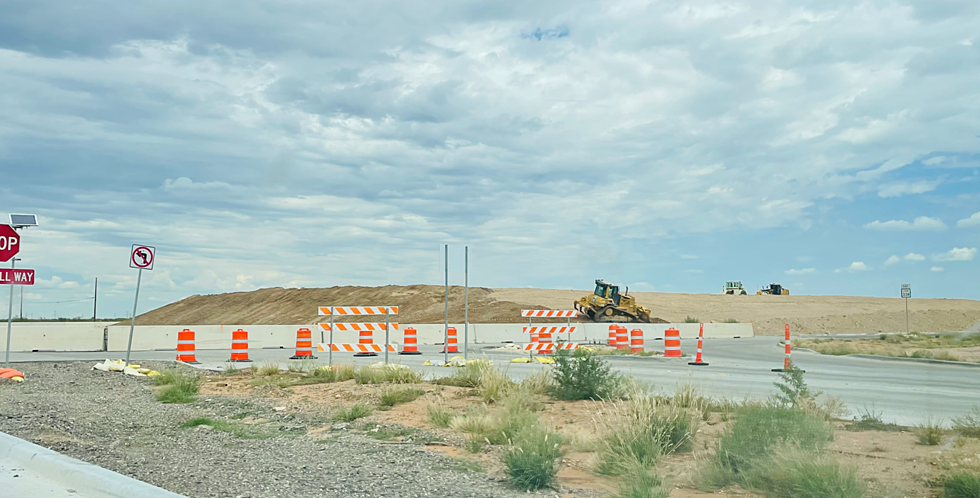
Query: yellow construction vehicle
{"x": 774, "y": 289}
{"x": 606, "y": 304}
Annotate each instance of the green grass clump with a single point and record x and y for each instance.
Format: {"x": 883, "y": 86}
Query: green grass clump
{"x": 180, "y": 387}
{"x": 387, "y": 433}
{"x": 731, "y": 320}
{"x": 392, "y": 397}
{"x": 535, "y": 459}
{"x": 806, "y": 474}
{"x": 870, "y": 420}
{"x": 962, "y": 486}
{"x": 643, "y": 483}
{"x": 691, "y": 319}
{"x": 244, "y": 431}
{"x": 466, "y": 376}
{"x": 582, "y": 374}
{"x": 638, "y": 431}
{"x": 266, "y": 369}
{"x": 439, "y": 416}
{"x": 351, "y": 414}
{"x": 930, "y": 433}
{"x": 968, "y": 425}
{"x": 387, "y": 374}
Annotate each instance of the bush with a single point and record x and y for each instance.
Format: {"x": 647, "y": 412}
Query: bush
{"x": 392, "y": 397}
{"x": 870, "y": 420}
{"x": 793, "y": 389}
{"x": 351, "y": 414}
{"x": 439, "y": 416}
{"x": 759, "y": 430}
{"x": 266, "y": 369}
{"x": 390, "y": 373}
{"x": 181, "y": 387}
{"x": 930, "y": 433}
{"x": 636, "y": 432}
{"x": 802, "y": 474}
{"x": 962, "y": 486}
{"x": 466, "y": 376}
{"x": 534, "y": 460}
{"x": 643, "y": 484}
{"x": 582, "y": 375}
{"x": 968, "y": 425}
{"x": 499, "y": 426}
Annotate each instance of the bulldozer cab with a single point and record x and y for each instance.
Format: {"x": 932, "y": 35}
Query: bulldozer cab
{"x": 608, "y": 291}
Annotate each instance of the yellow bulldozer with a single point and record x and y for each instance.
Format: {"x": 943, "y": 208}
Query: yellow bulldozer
{"x": 606, "y": 304}
{"x": 774, "y": 289}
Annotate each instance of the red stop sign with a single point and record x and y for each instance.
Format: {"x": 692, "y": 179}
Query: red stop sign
{"x": 9, "y": 242}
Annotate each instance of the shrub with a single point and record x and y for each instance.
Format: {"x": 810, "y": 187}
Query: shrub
{"x": 392, "y": 397}
{"x": 805, "y": 474}
{"x": 758, "y": 430}
{"x": 643, "y": 484}
{"x": 439, "y": 416}
{"x": 793, "y": 388}
{"x": 168, "y": 377}
{"x": 351, "y": 414}
{"x": 390, "y": 373}
{"x": 636, "y": 432}
{"x": 969, "y": 424}
{"x": 534, "y": 460}
{"x": 493, "y": 384}
{"x": 870, "y": 420}
{"x": 181, "y": 387}
{"x": 962, "y": 486}
{"x": 930, "y": 433}
{"x": 466, "y": 376}
{"x": 266, "y": 369}
{"x": 498, "y": 426}
{"x": 582, "y": 375}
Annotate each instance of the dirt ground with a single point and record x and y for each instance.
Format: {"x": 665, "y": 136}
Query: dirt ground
{"x": 424, "y": 304}
{"x": 964, "y": 348}
{"x": 891, "y": 464}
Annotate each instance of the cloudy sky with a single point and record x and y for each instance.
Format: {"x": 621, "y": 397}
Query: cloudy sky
{"x": 831, "y": 146}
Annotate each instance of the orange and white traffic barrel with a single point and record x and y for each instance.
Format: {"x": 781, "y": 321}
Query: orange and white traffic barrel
{"x": 366, "y": 339}
{"x": 185, "y": 346}
{"x": 612, "y": 335}
{"x": 622, "y": 338}
{"x": 672, "y": 343}
{"x": 304, "y": 345}
{"x": 452, "y": 343}
{"x": 239, "y": 346}
{"x": 636, "y": 341}
{"x": 411, "y": 345}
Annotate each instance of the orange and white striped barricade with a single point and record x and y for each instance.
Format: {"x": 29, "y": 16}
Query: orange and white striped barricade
{"x": 541, "y": 346}
{"x": 622, "y": 338}
{"x": 304, "y": 345}
{"x": 343, "y": 311}
{"x": 636, "y": 341}
{"x": 566, "y": 314}
{"x": 613, "y": 328}
{"x": 239, "y": 346}
{"x": 697, "y": 359}
{"x": 186, "y": 349}
{"x": 411, "y": 342}
{"x": 787, "y": 361}
{"x": 452, "y": 342}
{"x": 672, "y": 343}
{"x": 357, "y": 349}
{"x": 544, "y": 333}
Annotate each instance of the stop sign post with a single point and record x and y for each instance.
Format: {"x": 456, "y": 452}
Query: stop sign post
{"x": 9, "y": 243}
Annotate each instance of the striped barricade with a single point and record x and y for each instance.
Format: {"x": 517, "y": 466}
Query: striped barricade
{"x": 549, "y": 313}
{"x": 547, "y": 346}
{"x": 357, "y": 327}
{"x": 538, "y": 329}
{"x": 354, "y": 348}
{"x": 357, "y": 310}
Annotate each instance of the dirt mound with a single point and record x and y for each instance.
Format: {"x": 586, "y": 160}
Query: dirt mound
{"x": 424, "y": 304}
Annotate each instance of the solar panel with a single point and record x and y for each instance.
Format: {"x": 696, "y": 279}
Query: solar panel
{"x": 23, "y": 220}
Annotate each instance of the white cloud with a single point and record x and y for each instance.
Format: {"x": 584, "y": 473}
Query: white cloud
{"x": 855, "y": 266}
{"x": 892, "y": 260}
{"x": 972, "y": 221}
{"x": 956, "y": 254}
{"x": 689, "y": 256}
{"x": 936, "y": 268}
{"x": 804, "y": 271}
{"x": 914, "y": 257}
{"x": 899, "y": 189}
{"x": 922, "y": 223}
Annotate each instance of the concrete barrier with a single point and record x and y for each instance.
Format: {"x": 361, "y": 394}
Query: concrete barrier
{"x": 84, "y": 336}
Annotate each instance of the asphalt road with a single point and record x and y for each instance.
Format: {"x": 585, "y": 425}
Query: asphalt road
{"x": 904, "y": 392}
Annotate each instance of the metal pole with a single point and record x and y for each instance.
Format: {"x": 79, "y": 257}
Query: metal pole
{"x": 387, "y": 324}
{"x": 132, "y": 323}
{"x": 445, "y": 334}
{"x": 330, "y": 353}
{"x": 10, "y": 312}
{"x": 906, "y": 316}
{"x": 22, "y": 302}
{"x": 95, "y": 300}
{"x": 466, "y": 302}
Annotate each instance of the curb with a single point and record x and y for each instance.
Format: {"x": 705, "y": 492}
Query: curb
{"x": 894, "y": 358}
{"x": 88, "y": 480}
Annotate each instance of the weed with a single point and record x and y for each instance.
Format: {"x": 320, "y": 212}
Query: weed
{"x": 351, "y": 414}
{"x": 181, "y": 388}
{"x": 583, "y": 375}
{"x": 499, "y": 426}
{"x": 390, "y": 373}
{"x": 691, "y": 319}
{"x": 464, "y": 465}
{"x": 385, "y": 433}
{"x": 493, "y": 384}
{"x": 439, "y": 416}
{"x": 392, "y": 397}
{"x": 266, "y": 369}
{"x": 930, "y": 433}
{"x": 168, "y": 377}
{"x": 805, "y": 474}
{"x": 473, "y": 445}
{"x": 636, "y": 432}
{"x": 236, "y": 429}
{"x": 465, "y": 376}
{"x": 870, "y": 420}
{"x": 968, "y": 425}
{"x": 793, "y": 388}
{"x": 962, "y": 486}
{"x": 731, "y": 320}
{"x": 230, "y": 369}
{"x": 643, "y": 484}
{"x": 538, "y": 383}
{"x": 534, "y": 460}
{"x": 830, "y": 408}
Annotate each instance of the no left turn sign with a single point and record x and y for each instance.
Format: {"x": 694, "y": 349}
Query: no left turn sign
{"x": 142, "y": 257}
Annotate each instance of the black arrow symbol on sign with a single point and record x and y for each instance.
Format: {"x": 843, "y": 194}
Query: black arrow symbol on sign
{"x": 142, "y": 255}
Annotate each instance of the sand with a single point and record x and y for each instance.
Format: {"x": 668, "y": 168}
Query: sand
{"x": 424, "y": 304}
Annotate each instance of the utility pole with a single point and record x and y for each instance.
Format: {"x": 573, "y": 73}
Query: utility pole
{"x": 445, "y": 334}
{"x": 466, "y": 302}
{"x": 22, "y": 303}
{"x": 95, "y": 300}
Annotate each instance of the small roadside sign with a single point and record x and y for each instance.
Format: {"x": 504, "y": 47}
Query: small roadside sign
{"x": 906, "y": 291}
{"x": 142, "y": 257}
{"x": 16, "y": 277}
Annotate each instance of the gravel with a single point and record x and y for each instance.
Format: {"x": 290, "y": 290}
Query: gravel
{"x": 113, "y": 421}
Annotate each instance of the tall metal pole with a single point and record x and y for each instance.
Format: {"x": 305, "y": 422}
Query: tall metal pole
{"x": 10, "y": 313}
{"x": 132, "y": 323}
{"x": 330, "y": 354}
{"x": 95, "y": 300}
{"x": 387, "y": 324}
{"x": 445, "y": 334}
{"x": 466, "y": 302}
{"x": 22, "y": 302}
{"x": 906, "y": 316}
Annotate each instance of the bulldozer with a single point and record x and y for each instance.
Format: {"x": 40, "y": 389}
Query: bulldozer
{"x": 774, "y": 289}
{"x": 606, "y": 304}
